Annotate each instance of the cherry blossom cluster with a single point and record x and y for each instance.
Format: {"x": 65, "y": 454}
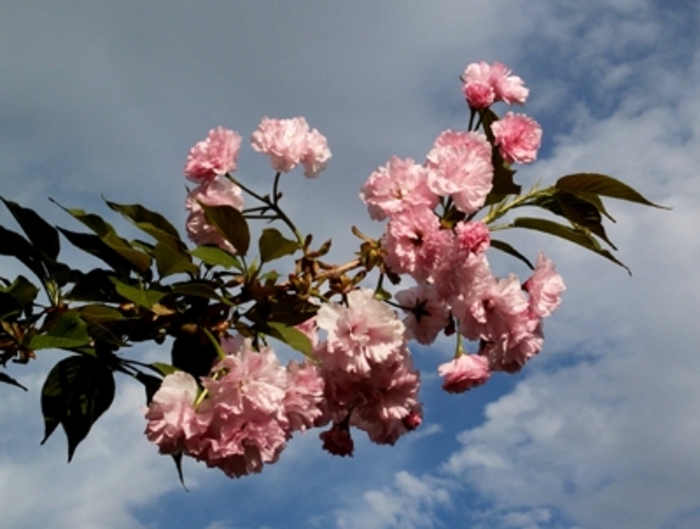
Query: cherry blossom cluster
{"x": 288, "y": 143}
{"x": 455, "y": 287}
{"x": 361, "y": 373}
{"x": 240, "y": 416}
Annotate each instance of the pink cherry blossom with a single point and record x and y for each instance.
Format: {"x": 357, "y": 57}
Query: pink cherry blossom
{"x": 472, "y": 237}
{"x": 215, "y": 192}
{"x": 518, "y": 138}
{"x": 171, "y": 412}
{"x": 545, "y": 287}
{"x": 477, "y": 86}
{"x": 497, "y": 309}
{"x": 216, "y": 155}
{"x": 464, "y": 372}
{"x": 304, "y": 395}
{"x": 363, "y": 333}
{"x": 400, "y": 185}
{"x": 505, "y": 354}
{"x": 428, "y": 314}
{"x": 484, "y": 84}
{"x": 508, "y": 88}
{"x": 289, "y": 142}
{"x": 462, "y": 168}
{"x": 413, "y": 242}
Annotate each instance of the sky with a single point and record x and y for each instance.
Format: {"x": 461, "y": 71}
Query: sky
{"x": 600, "y": 430}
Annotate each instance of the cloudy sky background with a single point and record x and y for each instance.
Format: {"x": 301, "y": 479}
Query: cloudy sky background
{"x": 601, "y": 430}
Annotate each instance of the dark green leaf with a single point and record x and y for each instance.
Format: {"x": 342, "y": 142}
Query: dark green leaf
{"x": 143, "y": 298}
{"x": 200, "y": 290}
{"x": 10, "y": 308}
{"x": 14, "y": 245}
{"x": 603, "y": 185}
{"x": 77, "y": 391}
{"x": 215, "y": 256}
{"x": 273, "y": 245}
{"x": 231, "y": 224}
{"x": 93, "y": 245}
{"x": 40, "y": 233}
{"x": 155, "y": 224}
{"x": 164, "y": 369}
{"x": 96, "y": 223}
{"x": 137, "y": 258}
{"x": 170, "y": 261}
{"x": 150, "y": 383}
{"x": 23, "y": 291}
{"x": 193, "y": 353}
{"x": 100, "y": 313}
{"x": 507, "y": 248}
{"x": 576, "y": 236}
{"x": 9, "y": 380}
{"x": 582, "y": 213}
{"x": 68, "y": 331}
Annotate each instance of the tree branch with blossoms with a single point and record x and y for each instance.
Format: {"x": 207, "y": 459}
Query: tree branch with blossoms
{"x": 221, "y": 395}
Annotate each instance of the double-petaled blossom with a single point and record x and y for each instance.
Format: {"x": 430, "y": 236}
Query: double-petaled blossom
{"x": 289, "y": 142}
{"x": 544, "y": 287}
{"x": 214, "y": 156}
{"x": 464, "y": 372}
{"x": 171, "y": 413}
{"x": 518, "y": 138}
{"x": 484, "y": 84}
{"x": 398, "y": 186}
{"x": 427, "y": 312}
{"x": 250, "y": 408}
{"x": 218, "y": 191}
{"x": 461, "y": 169}
{"x": 359, "y": 335}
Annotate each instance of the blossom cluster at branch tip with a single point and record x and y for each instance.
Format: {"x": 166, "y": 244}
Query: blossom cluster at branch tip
{"x": 251, "y": 408}
{"x": 289, "y": 142}
{"x": 484, "y": 84}
{"x": 214, "y": 156}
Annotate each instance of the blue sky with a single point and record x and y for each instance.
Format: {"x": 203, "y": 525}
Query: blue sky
{"x": 600, "y": 430}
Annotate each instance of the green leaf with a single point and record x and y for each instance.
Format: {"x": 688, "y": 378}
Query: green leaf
{"x": 289, "y": 335}
{"x": 507, "y": 248}
{"x": 40, "y": 233}
{"x": 603, "y": 185}
{"x": 155, "y": 224}
{"x": 273, "y": 245}
{"x": 96, "y": 223}
{"x": 231, "y": 224}
{"x": 95, "y": 246}
{"x": 577, "y": 236}
{"x": 7, "y": 379}
{"x": 215, "y": 256}
{"x": 68, "y": 331}
{"x": 10, "y": 308}
{"x": 23, "y": 291}
{"x": 76, "y": 392}
{"x": 582, "y": 213}
{"x": 197, "y": 289}
{"x": 100, "y": 313}
{"x": 150, "y": 383}
{"x": 14, "y": 245}
{"x": 143, "y": 298}
{"x": 164, "y": 369}
{"x": 137, "y": 258}
{"x": 170, "y": 261}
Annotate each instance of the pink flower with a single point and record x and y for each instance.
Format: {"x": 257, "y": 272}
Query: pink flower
{"x": 495, "y": 310}
{"x": 289, "y": 142}
{"x": 462, "y": 168}
{"x": 545, "y": 287}
{"x": 414, "y": 242}
{"x": 510, "y": 356}
{"x": 316, "y": 155}
{"x": 484, "y": 84}
{"x": 217, "y": 155}
{"x": 518, "y": 138}
{"x": 215, "y": 192}
{"x": 508, "y": 88}
{"x": 171, "y": 412}
{"x": 303, "y": 396}
{"x": 464, "y": 373}
{"x": 364, "y": 333}
{"x": 400, "y": 185}
{"x": 428, "y": 314}
{"x": 472, "y": 237}
{"x": 477, "y": 87}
